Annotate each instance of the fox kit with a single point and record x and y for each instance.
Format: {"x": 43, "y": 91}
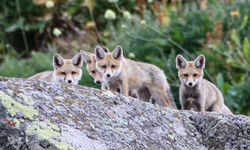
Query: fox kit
{"x": 132, "y": 76}
{"x": 91, "y": 66}
{"x": 195, "y": 92}
{"x": 65, "y": 70}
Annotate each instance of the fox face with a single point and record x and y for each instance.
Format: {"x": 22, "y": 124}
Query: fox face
{"x": 67, "y": 70}
{"x": 91, "y": 66}
{"x": 190, "y": 72}
{"x": 109, "y": 64}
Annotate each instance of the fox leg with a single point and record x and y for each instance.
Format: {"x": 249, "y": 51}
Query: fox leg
{"x": 111, "y": 87}
{"x": 103, "y": 87}
{"x": 144, "y": 95}
{"x": 160, "y": 96}
{"x": 124, "y": 88}
{"x": 217, "y": 107}
{"x": 201, "y": 105}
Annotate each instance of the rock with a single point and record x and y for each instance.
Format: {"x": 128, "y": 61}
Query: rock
{"x": 39, "y": 115}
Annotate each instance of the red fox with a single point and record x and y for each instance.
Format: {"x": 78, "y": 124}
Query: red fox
{"x": 132, "y": 76}
{"x": 195, "y": 92}
{"x": 91, "y": 68}
{"x": 65, "y": 70}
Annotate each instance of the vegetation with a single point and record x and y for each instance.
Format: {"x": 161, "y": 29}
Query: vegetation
{"x": 152, "y": 31}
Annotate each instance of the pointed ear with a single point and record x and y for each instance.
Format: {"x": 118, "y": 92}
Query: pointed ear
{"x": 99, "y": 53}
{"x": 86, "y": 56}
{"x": 118, "y": 52}
{"x": 200, "y": 62}
{"x": 106, "y": 50}
{"x": 181, "y": 62}
{"x": 77, "y": 60}
{"x": 58, "y": 61}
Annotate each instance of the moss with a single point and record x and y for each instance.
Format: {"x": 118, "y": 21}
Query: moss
{"x": 13, "y": 107}
{"x": 17, "y": 122}
{"x": 44, "y": 130}
{"x": 63, "y": 146}
{"x": 108, "y": 94}
{"x": 27, "y": 99}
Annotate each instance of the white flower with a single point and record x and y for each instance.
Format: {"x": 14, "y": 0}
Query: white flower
{"x": 109, "y": 14}
{"x": 143, "y": 22}
{"x": 150, "y": 1}
{"x": 49, "y": 4}
{"x": 123, "y": 26}
{"x": 57, "y": 32}
{"x": 113, "y": 1}
{"x": 127, "y": 15}
{"x": 131, "y": 55}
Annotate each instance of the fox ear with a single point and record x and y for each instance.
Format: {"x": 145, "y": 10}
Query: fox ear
{"x": 106, "y": 50}
{"x": 99, "y": 53}
{"x": 181, "y": 62}
{"x": 86, "y": 56}
{"x": 77, "y": 60}
{"x": 118, "y": 52}
{"x": 200, "y": 62}
{"x": 58, "y": 61}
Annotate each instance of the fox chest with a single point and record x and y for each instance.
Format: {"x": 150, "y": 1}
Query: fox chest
{"x": 191, "y": 99}
{"x": 191, "y": 95}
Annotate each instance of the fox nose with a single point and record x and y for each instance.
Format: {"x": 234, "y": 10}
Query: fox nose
{"x": 108, "y": 75}
{"x": 98, "y": 82}
{"x": 69, "y": 81}
{"x": 190, "y": 83}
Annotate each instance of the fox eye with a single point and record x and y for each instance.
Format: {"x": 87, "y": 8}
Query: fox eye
{"x": 63, "y": 73}
{"x": 185, "y": 75}
{"x": 104, "y": 66}
{"x": 113, "y": 66}
{"x": 93, "y": 71}
{"x": 73, "y": 72}
{"x": 195, "y": 75}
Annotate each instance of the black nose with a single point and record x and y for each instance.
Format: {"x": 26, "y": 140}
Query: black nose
{"x": 69, "y": 81}
{"x": 108, "y": 75}
{"x": 98, "y": 82}
{"x": 190, "y": 83}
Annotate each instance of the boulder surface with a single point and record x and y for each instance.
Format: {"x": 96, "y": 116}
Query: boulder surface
{"x": 37, "y": 115}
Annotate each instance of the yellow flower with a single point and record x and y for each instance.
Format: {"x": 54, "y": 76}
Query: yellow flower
{"x": 234, "y": 13}
{"x": 90, "y": 24}
{"x": 106, "y": 33}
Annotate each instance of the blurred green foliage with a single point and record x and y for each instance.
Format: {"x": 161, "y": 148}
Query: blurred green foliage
{"x": 155, "y": 32}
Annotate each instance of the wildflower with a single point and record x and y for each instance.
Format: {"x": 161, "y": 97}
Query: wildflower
{"x": 150, "y": 1}
{"x": 113, "y": 1}
{"x": 49, "y": 4}
{"x": 143, "y": 22}
{"x": 131, "y": 55}
{"x": 90, "y": 24}
{"x": 234, "y": 13}
{"x": 127, "y": 15}
{"x": 106, "y": 33}
{"x": 57, "y": 32}
{"x": 109, "y": 14}
{"x": 39, "y": 2}
{"x": 123, "y": 26}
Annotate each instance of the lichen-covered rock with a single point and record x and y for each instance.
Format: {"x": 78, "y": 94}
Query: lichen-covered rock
{"x": 39, "y": 115}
